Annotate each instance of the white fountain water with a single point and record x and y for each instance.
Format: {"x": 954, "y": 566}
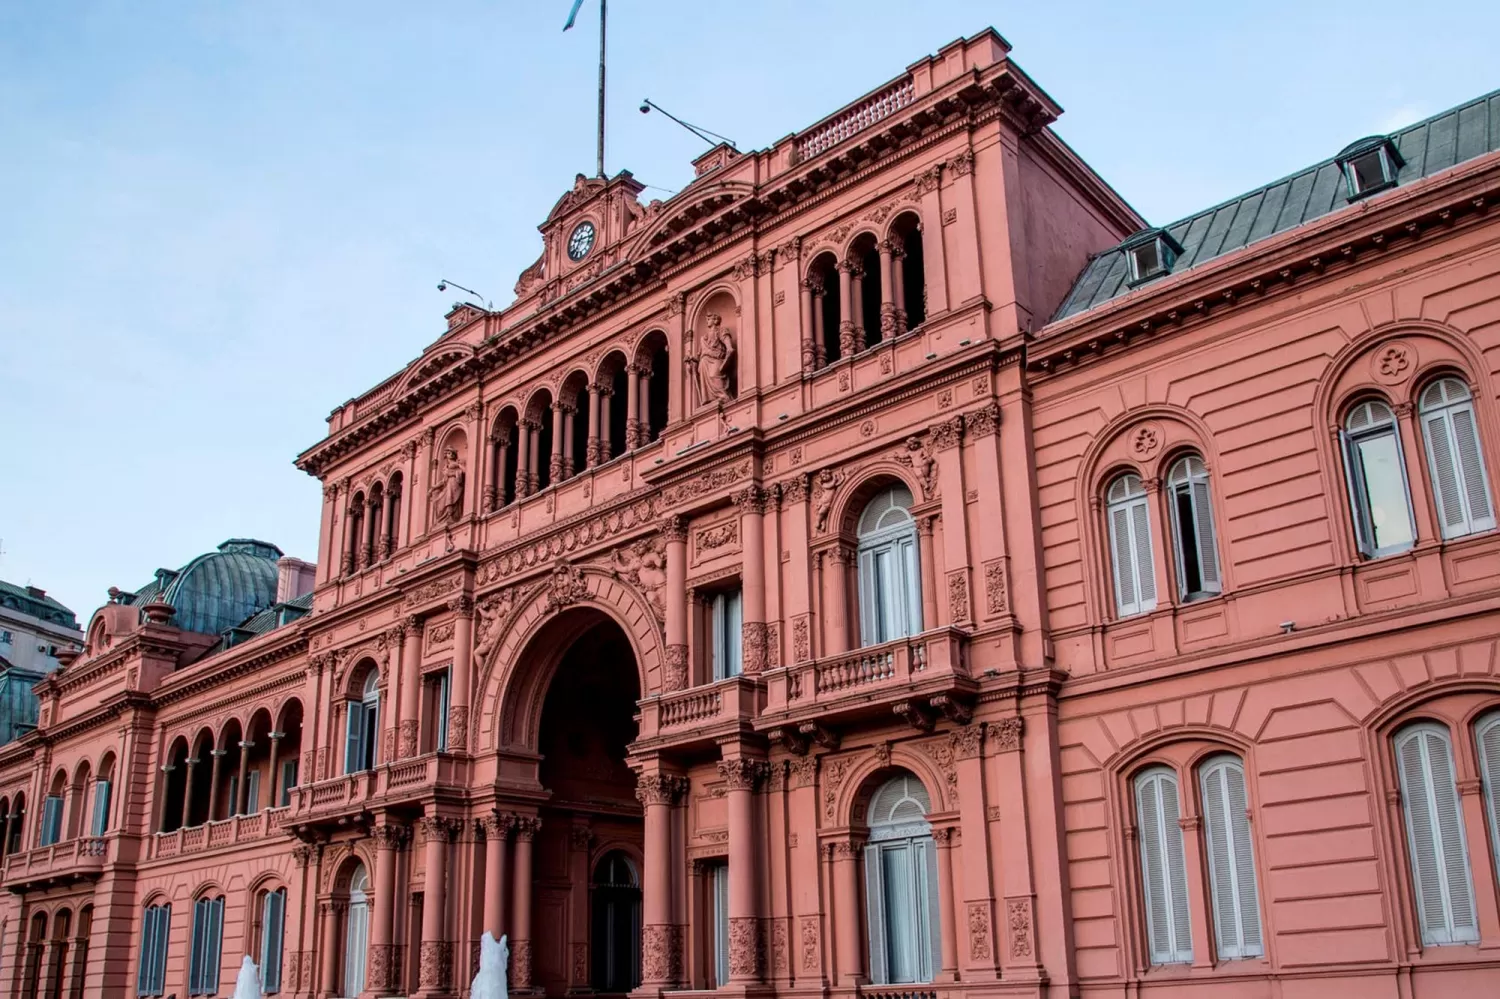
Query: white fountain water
{"x": 247, "y": 985}
{"x": 494, "y": 961}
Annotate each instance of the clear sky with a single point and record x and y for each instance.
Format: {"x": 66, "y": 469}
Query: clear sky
{"x": 219, "y": 220}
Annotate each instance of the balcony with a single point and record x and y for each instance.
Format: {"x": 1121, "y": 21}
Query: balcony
{"x": 212, "y": 835}
{"x": 60, "y": 863}
{"x": 915, "y": 678}
{"x": 339, "y": 800}
{"x": 700, "y": 715}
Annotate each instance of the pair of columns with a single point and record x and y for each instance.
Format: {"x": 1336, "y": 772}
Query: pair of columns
{"x": 835, "y": 565}
{"x": 409, "y": 665}
{"x": 851, "y": 306}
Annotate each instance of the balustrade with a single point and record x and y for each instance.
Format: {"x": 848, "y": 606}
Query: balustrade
{"x": 826, "y": 135}
{"x": 70, "y": 859}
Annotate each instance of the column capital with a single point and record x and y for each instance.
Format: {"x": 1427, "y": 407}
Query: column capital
{"x": 496, "y": 825}
{"x": 674, "y": 528}
{"x": 660, "y": 789}
{"x": 527, "y": 826}
{"x": 218, "y": 752}
{"x": 390, "y": 836}
{"x": 437, "y": 826}
{"x": 1005, "y": 734}
{"x": 741, "y": 774}
{"x": 751, "y": 499}
{"x": 462, "y": 605}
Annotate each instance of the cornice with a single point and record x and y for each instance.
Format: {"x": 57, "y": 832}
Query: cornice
{"x": 192, "y": 683}
{"x": 1326, "y": 248}
{"x": 237, "y": 698}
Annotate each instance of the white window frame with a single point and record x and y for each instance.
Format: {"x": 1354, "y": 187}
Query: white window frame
{"x": 890, "y": 589}
{"x": 207, "y": 949}
{"x": 1164, "y": 883}
{"x": 356, "y": 933}
{"x": 1446, "y": 907}
{"x": 1460, "y": 482}
{"x": 289, "y": 777}
{"x": 1189, "y": 479}
{"x": 1350, "y": 439}
{"x": 725, "y": 627}
{"x": 361, "y": 728}
{"x": 1131, "y": 555}
{"x": 719, "y": 900}
{"x": 1233, "y": 881}
{"x": 443, "y": 695}
{"x": 901, "y": 883}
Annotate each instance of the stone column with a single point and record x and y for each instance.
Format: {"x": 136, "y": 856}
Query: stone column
{"x": 929, "y": 572}
{"x": 496, "y": 829}
{"x": 187, "y": 790}
{"x": 520, "y": 916}
{"x": 746, "y": 946}
{"x": 388, "y": 839}
{"x": 661, "y": 936}
{"x": 606, "y": 422}
{"x": 241, "y": 791}
{"x": 675, "y": 671}
{"x": 351, "y": 539}
{"x": 632, "y": 406}
{"x": 645, "y": 404}
{"x": 332, "y": 916}
{"x": 213, "y": 781}
{"x": 557, "y": 466}
{"x": 752, "y": 502}
{"x": 496, "y": 471}
{"x": 392, "y": 518}
{"x": 846, "y": 307}
{"x": 820, "y": 348}
{"x": 809, "y": 323}
{"x": 523, "y": 459}
{"x": 591, "y": 456}
{"x": 898, "y": 281}
{"x": 273, "y": 799}
{"x": 836, "y": 599}
{"x": 848, "y": 920}
{"x": 887, "y": 290}
{"x": 372, "y": 527}
{"x": 411, "y": 685}
{"x": 857, "y": 300}
{"x": 534, "y": 458}
{"x": 458, "y": 686}
{"x": 435, "y": 971}
{"x": 943, "y": 840}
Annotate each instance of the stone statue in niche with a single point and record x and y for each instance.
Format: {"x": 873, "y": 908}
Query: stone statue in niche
{"x": 828, "y": 484}
{"x": 446, "y": 494}
{"x": 716, "y": 361}
{"x": 491, "y": 614}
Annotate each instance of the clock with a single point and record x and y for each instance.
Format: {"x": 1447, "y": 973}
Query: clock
{"x": 581, "y": 242}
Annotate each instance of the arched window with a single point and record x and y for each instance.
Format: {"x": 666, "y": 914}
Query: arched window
{"x": 356, "y": 932}
{"x": 1196, "y": 544}
{"x": 616, "y": 910}
{"x": 1377, "y": 480}
{"x": 890, "y": 598}
{"x": 52, "y": 812}
{"x": 901, "y": 884}
{"x": 1459, "y": 483}
{"x": 1439, "y": 857}
{"x": 1231, "y": 858}
{"x": 363, "y": 727}
{"x": 272, "y": 927}
{"x": 822, "y": 284}
{"x": 208, "y": 941}
{"x": 4, "y": 830}
{"x": 103, "y": 786}
{"x": 17, "y": 824}
{"x": 909, "y": 273}
{"x": 1130, "y": 546}
{"x": 1163, "y": 867}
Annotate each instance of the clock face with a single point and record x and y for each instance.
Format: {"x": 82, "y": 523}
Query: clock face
{"x": 581, "y": 242}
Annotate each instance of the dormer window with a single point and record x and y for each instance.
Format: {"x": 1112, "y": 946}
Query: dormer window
{"x": 1369, "y": 165}
{"x": 1150, "y": 254}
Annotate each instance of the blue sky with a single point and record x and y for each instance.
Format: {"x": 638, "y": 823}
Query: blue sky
{"x": 219, "y": 220}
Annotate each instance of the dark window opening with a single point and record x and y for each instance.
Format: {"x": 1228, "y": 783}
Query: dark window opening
{"x": 580, "y": 437}
{"x": 870, "y": 294}
{"x": 1369, "y": 165}
{"x": 512, "y": 466}
{"x": 543, "y": 436}
{"x": 1187, "y": 542}
{"x": 656, "y": 416}
{"x": 831, "y": 318}
{"x": 913, "y": 280}
{"x": 618, "y": 417}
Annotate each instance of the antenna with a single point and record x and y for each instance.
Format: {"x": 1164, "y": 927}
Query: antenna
{"x": 647, "y": 104}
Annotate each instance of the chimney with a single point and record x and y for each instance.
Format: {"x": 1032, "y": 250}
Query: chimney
{"x": 294, "y": 578}
{"x": 35, "y": 591}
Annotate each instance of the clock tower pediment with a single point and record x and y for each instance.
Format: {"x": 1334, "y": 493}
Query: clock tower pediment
{"x": 584, "y": 234}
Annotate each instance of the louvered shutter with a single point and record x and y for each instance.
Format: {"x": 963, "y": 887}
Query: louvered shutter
{"x": 912, "y": 586}
{"x": 1203, "y": 531}
{"x": 233, "y": 808}
{"x": 1476, "y": 487}
{"x": 101, "y": 807}
{"x": 933, "y": 917}
{"x": 875, "y": 909}
{"x": 721, "y": 925}
{"x": 1164, "y": 872}
{"x": 215, "y": 945}
{"x": 869, "y": 616}
{"x": 354, "y": 754}
{"x": 252, "y": 792}
{"x": 1231, "y": 861}
{"x": 197, "y": 958}
{"x": 1488, "y": 738}
{"x": 887, "y": 576}
{"x": 733, "y": 632}
{"x": 52, "y": 809}
{"x": 273, "y": 919}
{"x": 143, "y": 976}
{"x": 1124, "y": 562}
{"x": 716, "y": 630}
{"x": 444, "y": 699}
{"x": 163, "y": 938}
{"x": 1140, "y": 537}
{"x": 1439, "y": 861}
{"x": 1443, "y": 464}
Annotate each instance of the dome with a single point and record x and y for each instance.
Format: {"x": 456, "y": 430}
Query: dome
{"x": 217, "y": 591}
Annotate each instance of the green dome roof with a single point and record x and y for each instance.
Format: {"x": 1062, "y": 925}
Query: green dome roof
{"x": 217, "y": 591}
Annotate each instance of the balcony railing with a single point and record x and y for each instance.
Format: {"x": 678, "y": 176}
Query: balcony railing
{"x": 875, "y": 676}
{"x": 71, "y": 859}
{"x": 702, "y": 713}
{"x": 387, "y": 783}
{"x": 211, "y": 835}
{"x": 827, "y": 134}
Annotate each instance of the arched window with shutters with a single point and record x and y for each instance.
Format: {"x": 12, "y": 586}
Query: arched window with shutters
{"x": 1460, "y": 487}
{"x": 1376, "y": 478}
{"x": 356, "y": 932}
{"x": 890, "y": 596}
{"x": 1231, "y": 859}
{"x": 270, "y": 939}
{"x": 207, "y": 946}
{"x": 1487, "y": 742}
{"x": 362, "y": 727}
{"x": 1158, "y": 807}
{"x": 1195, "y": 541}
{"x": 901, "y": 884}
{"x": 1130, "y": 546}
{"x": 1443, "y": 890}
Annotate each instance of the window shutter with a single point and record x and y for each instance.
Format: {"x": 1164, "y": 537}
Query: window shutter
{"x": 875, "y": 908}
{"x": 716, "y": 628}
{"x": 444, "y": 696}
{"x": 1444, "y": 895}
{"x": 927, "y": 873}
{"x": 1471, "y": 468}
{"x": 1244, "y": 861}
{"x": 1203, "y": 531}
{"x": 51, "y": 820}
{"x": 101, "y": 807}
{"x": 288, "y": 781}
{"x": 1140, "y": 531}
{"x": 721, "y": 925}
{"x": 1231, "y": 861}
{"x": 1358, "y": 505}
{"x": 869, "y": 626}
{"x": 1124, "y": 562}
{"x": 252, "y": 792}
{"x": 1441, "y": 460}
{"x": 1488, "y": 738}
{"x": 143, "y": 975}
{"x": 196, "y": 957}
{"x": 273, "y": 918}
{"x": 354, "y": 738}
{"x": 233, "y": 808}
{"x": 215, "y": 945}
{"x": 886, "y": 598}
{"x": 913, "y": 586}
{"x": 1163, "y": 868}
{"x": 733, "y": 632}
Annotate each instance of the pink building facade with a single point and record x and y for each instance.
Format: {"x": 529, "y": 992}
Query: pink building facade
{"x": 886, "y": 568}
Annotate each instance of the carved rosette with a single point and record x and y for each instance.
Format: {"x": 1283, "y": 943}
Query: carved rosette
{"x": 674, "y": 675}
{"x": 520, "y": 964}
{"x": 746, "y": 947}
{"x": 458, "y": 728}
{"x": 436, "y": 968}
{"x": 753, "y": 641}
{"x": 408, "y": 737}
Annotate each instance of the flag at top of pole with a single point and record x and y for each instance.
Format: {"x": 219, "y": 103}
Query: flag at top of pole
{"x": 573, "y": 16}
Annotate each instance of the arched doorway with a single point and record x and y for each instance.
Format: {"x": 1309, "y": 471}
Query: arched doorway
{"x": 615, "y": 924}
{"x": 901, "y": 883}
{"x": 584, "y": 728}
{"x": 356, "y": 931}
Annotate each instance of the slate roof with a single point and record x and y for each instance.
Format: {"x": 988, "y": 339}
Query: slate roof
{"x": 270, "y": 619}
{"x": 1428, "y": 147}
{"x": 218, "y": 590}
{"x": 25, "y": 600}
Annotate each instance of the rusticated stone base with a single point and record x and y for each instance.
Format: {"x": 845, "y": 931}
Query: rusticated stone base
{"x": 436, "y": 969}
{"x": 520, "y": 964}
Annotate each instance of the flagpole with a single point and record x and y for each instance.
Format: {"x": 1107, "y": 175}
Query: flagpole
{"x": 601, "y": 86}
